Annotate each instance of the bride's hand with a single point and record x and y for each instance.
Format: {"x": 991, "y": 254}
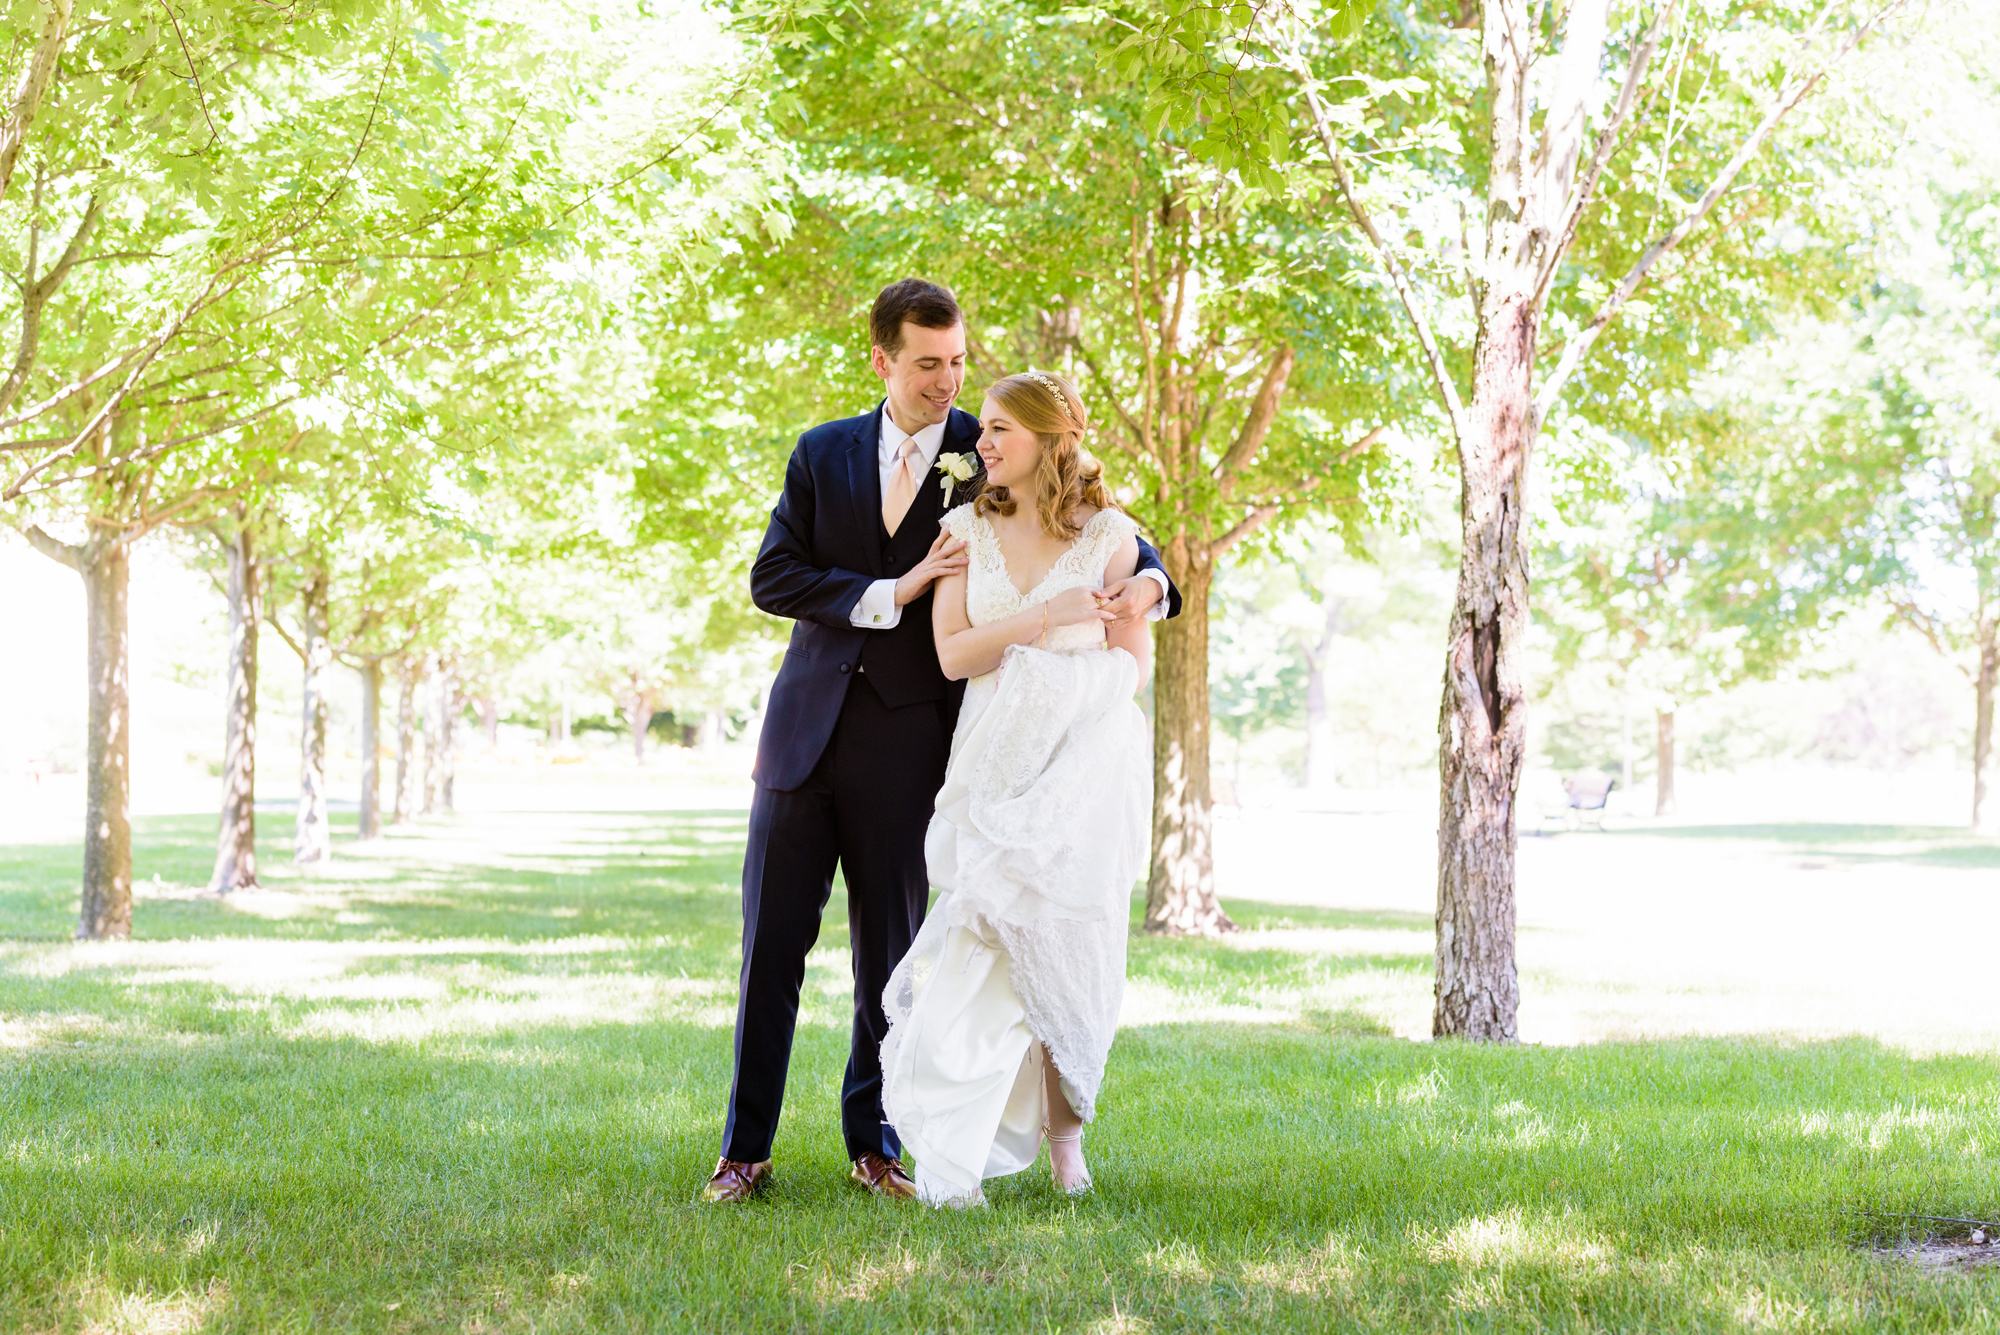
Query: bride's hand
{"x": 1075, "y": 607}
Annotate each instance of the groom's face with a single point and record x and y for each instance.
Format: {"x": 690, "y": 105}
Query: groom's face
{"x": 923, "y": 377}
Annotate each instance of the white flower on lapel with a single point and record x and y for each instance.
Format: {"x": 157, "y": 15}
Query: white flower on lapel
{"x": 957, "y": 467}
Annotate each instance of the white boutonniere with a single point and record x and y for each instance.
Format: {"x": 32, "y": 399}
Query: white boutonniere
{"x": 957, "y": 467}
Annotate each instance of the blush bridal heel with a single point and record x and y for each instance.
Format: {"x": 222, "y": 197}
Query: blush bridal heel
{"x": 1081, "y": 1185}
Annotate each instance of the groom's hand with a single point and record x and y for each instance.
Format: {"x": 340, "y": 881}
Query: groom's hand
{"x": 1129, "y": 599}
{"x": 946, "y": 557}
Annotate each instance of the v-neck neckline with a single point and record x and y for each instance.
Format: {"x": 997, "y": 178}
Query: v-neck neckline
{"x": 1007, "y": 571}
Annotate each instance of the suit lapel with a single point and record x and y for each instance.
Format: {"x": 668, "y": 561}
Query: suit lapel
{"x": 961, "y": 436}
{"x": 864, "y": 485}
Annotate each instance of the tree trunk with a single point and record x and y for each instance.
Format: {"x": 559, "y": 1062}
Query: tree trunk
{"x": 1482, "y": 727}
{"x": 107, "y": 834}
{"x": 439, "y": 744}
{"x": 1663, "y": 778}
{"x": 1319, "y": 723}
{"x": 489, "y": 721}
{"x": 406, "y": 746}
{"x": 313, "y": 841}
{"x": 1625, "y": 746}
{"x": 371, "y": 745}
{"x": 104, "y": 563}
{"x": 1985, "y": 819}
{"x": 1180, "y": 891}
{"x": 714, "y": 727}
{"x": 236, "y": 841}
{"x": 639, "y": 717}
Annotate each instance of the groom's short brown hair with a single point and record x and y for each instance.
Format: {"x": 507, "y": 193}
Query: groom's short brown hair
{"x": 919, "y": 301}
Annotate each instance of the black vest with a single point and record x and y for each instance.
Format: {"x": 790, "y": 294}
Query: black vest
{"x": 901, "y": 663}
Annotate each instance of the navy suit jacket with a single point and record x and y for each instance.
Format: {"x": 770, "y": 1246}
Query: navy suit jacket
{"x": 824, "y": 547}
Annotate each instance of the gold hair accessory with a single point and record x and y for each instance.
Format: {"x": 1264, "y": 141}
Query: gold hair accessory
{"x": 1055, "y": 392}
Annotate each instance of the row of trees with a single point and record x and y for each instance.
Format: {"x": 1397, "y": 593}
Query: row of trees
{"x": 397, "y": 314}
{"x": 350, "y": 294}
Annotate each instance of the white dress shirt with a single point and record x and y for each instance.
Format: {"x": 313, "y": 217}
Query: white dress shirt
{"x": 878, "y": 609}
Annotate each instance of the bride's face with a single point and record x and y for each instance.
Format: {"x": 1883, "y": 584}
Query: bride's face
{"x": 1009, "y": 450}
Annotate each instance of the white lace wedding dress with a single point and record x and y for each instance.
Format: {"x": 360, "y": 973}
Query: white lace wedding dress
{"x": 1039, "y": 834}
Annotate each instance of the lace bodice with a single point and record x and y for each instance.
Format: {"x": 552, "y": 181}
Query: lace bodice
{"x": 991, "y": 596}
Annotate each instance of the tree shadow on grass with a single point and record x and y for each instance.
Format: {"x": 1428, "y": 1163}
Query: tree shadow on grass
{"x": 683, "y": 868}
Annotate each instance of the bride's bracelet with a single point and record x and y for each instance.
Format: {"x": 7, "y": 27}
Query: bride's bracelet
{"x": 1041, "y": 641}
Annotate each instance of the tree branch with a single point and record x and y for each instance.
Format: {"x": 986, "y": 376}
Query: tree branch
{"x": 271, "y": 617}
{"x": 34, "y": 83}
{"x": 146, "y": 354}
{"x": 1787, "y": 97}
{"x": 983, "y": 359}
{"x": 1243, "y": 528}
{"x": 1151, "y": 408}
{"x": 1925, "y": 624}
{"x": 1399, "y": 278}
{"x": 1608, "y": 142}
{"x": 152, "y": 452}
{"x": 53, "y": 549}
{"x": 1110, "y": 392}
{"x": 1257, "y": 424}
{"x": 35, "y": 294}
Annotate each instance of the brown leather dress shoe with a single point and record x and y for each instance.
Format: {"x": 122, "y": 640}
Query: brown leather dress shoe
{"x": 885, "y": 1177}
{"x": 735, "y": 1181}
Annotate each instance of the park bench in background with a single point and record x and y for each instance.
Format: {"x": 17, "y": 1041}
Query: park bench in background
{"x": 1587, "y": 794}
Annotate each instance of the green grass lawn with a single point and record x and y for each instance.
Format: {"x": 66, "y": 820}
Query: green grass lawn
{"x": 472, "y": 1079}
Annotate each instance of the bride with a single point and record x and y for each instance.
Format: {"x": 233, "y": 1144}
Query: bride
{"x": 1003, "y": 1010}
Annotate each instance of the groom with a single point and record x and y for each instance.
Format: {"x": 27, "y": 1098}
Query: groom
{"x": 858, "y": 725}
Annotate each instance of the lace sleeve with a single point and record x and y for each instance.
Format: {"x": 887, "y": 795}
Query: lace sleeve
{"x": 1117, "y": 526}
{"x": 961, "y": 521}
{"x": 1108, "y": 528}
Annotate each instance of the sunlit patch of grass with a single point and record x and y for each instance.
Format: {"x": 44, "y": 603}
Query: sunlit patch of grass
{"x": 103, "y": 1310}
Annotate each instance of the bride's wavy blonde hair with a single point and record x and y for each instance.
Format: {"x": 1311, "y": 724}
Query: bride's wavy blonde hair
{"x": 1067, "y": 476}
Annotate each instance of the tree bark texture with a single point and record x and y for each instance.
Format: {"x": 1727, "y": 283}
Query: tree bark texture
{"x": 236, "y": 840}
{"x": 371, "y": 746}
{"x": 489, "y": 721}
{"x": 1482, "y": 725}
{"x": 1663, "y": 759}
{"x": 1985, "y": 816}
{"x": 406, "y": 745}
{"x": 104, "y": 563}
{"x": 313, "y": 840}
{"x": 107, "y": 838}
{"x": 1180, "y": 891}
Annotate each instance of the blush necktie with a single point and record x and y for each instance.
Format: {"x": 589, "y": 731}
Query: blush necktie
{"x": 902, "y": 487}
